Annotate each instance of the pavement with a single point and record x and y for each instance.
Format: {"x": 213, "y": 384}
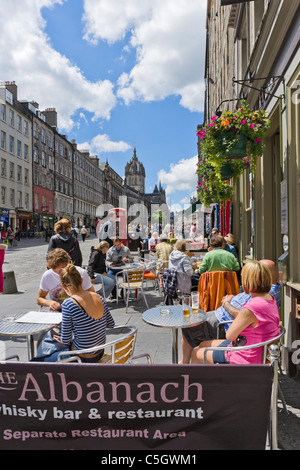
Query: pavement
{"x": 28, "y": 262}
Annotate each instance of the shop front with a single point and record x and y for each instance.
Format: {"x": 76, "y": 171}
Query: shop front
{"x": 4, "y": 219}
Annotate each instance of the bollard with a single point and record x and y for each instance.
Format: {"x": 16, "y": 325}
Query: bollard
{"x": 9, "y": 285}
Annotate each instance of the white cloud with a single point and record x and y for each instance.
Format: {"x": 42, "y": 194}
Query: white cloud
{"x": 181, "y": 176}
{"x": 43, "y": 74}
{"x": 169, "y": 38}
{"x": 102, "y": 144}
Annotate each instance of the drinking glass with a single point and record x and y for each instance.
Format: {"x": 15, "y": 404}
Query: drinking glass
{"x": 186, "y": 302}
{"x": 195, "y": 302}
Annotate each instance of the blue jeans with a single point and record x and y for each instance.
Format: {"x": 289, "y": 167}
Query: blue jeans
{"x": 109, "y": 282}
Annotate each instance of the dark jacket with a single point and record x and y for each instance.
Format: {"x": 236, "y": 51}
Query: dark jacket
{"x": 96, "y": 263}
{"x": 67, "y": 242}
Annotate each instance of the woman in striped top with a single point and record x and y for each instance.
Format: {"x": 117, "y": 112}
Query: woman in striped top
{"x": 85, "y": 317}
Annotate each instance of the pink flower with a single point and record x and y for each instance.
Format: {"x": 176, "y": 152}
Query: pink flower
{"x": 257, "y": 140}
{"x": 243, "y": 122}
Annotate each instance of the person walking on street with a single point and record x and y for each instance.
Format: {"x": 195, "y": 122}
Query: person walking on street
{"x": 84, "y": 233}
{"x": 64, "y": 239}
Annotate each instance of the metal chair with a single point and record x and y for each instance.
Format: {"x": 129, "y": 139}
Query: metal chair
{"x": 133, "y": 280}
{"x": 118, "y": 348}
{"x": 271, "y": 355}
{"x": 102, "y": 288}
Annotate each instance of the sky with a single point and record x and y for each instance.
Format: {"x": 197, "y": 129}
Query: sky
{"x": 120, "y": 73}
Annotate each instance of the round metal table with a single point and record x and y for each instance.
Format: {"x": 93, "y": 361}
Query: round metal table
{"x": 13, "y": 328}
{"x": 173, "y": 320}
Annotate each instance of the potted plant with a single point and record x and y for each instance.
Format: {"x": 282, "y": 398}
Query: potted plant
{"x": 234, "y": 135}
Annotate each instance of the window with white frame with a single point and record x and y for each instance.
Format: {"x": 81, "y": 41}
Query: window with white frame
{"x": 11, "y": 144}
{"x": 3, "y": 140}
{"x": 11, "y": 118}
{"x": 3, "y": 112}
{"x": 26, "y": 176}
{"x": 19, "y": 173}
{"x": 20, "y": 199}
{"x": 3, "y": 195}
{"x": 26, "y": 127}
{"x": 35, "y": 155}
{"x": 19, "y": 123}
{"x": 26, "y": 201}
{"x": 12, "y": 170}
{"x": 26, "y": 152}
{"x": 12, "y": 197}
{"x": 36, "y": 201}
{"x": 19, "y": 148}
{"x": 3, "y": 167}
{"x": 36, "y": 131}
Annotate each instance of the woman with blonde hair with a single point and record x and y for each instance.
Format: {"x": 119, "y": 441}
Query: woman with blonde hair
{"x": 180, "y": 261}
{"x": 257, "y": 321}
{"x": 64, "y": 239}
{"x": 97, "y": 268}
{"x": 85, "y": 318}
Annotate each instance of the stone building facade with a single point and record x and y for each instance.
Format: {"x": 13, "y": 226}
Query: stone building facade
{"x": 15, "y": 161}
{"x": 253, "y": 53}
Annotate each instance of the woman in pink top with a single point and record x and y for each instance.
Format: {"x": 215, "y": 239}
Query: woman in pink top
{"x": 256, "y": 322}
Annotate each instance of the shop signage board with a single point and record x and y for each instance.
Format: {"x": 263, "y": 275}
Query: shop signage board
{"x": 133, "y": 407}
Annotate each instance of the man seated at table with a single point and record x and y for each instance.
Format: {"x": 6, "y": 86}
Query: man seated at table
{"x": 57, "y": 260}
{"x": 218, "y": 259}
{"x": 117, "y": 255}
{"x": 207, "y": 330}
{"x": 163, "y": 250}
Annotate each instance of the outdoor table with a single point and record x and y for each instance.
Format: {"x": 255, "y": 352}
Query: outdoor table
{"x": 10, "y": 327}
{"x": 174, "y": 320}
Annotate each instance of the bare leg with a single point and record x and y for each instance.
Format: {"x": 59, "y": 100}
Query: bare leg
{"x": 198, "y": 353}
{"x": 187, "y": 350}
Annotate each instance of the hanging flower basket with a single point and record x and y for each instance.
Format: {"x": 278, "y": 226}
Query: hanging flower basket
{"x": 234, "y": 135}
{"x": 212, "y": 188}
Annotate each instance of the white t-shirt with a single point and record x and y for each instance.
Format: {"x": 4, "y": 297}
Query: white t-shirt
{"x": 50, "y": 283}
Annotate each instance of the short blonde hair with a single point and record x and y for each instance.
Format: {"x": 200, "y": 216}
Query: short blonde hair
{"x": 62, "y": 225}
{"x": 256, "y": 278}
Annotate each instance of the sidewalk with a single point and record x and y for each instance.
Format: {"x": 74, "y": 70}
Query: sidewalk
{"x": 28, "y": 261}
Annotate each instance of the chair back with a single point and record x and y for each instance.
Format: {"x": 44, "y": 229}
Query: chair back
{"x": 135, "y": 276}
{"x": 265, "y": 344}
{"x": 213, "y": 286}
{"x": 118, "y": 349}
{"x": 121, "y": 350}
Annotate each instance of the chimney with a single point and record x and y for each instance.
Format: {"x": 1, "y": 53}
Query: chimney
{"x": 73, "y": 142}
{"x": 12, "y": 87}
{"x": 51, "y": 116}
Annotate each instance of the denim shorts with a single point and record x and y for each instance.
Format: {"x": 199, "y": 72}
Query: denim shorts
{"x": 219, "y": 356}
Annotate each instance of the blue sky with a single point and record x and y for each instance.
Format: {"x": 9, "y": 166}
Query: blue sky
{"x": 121, "y": 73}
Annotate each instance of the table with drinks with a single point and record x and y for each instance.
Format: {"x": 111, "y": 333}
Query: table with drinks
{"x": 184, "y": 315}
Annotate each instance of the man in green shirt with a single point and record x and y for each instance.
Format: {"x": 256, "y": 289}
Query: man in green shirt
{"x": 218, "y": 259}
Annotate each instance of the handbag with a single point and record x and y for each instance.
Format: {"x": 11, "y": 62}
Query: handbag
{"x": 49, "y": 345}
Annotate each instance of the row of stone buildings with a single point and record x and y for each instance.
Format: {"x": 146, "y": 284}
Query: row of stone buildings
{"x": 252, "y": 52}
{"x": 45, "y": 177}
